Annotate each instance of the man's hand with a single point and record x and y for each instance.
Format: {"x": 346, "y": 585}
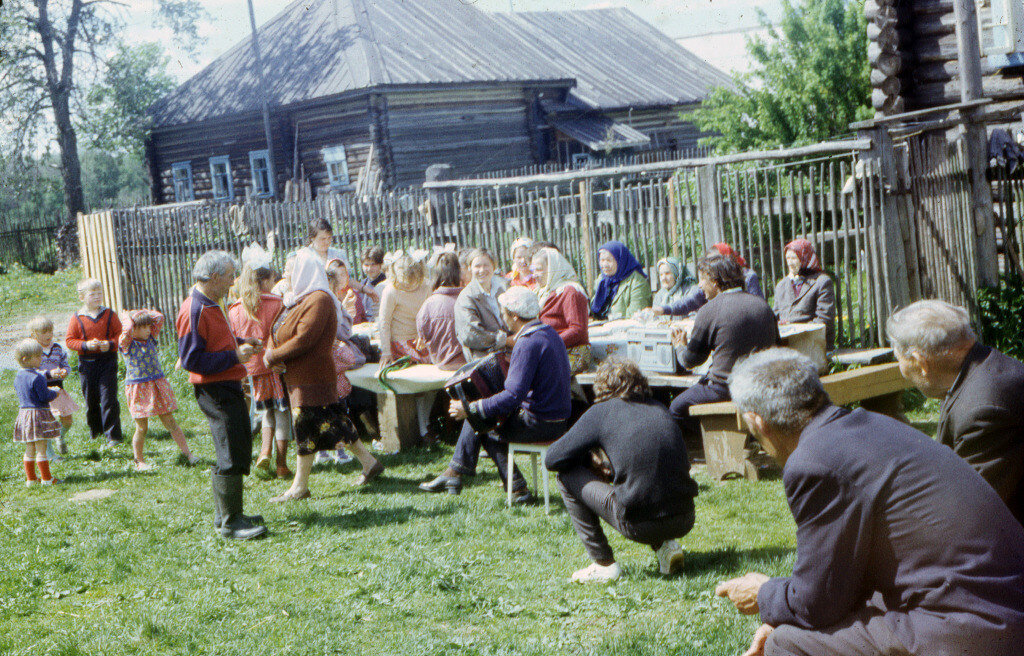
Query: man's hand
{"x": 760, "y": 638}
{"x": 657, "y": 311}
{"x": 456, "y": 410}
{"x": 245, "y": 352}
{"x": 742, "y": 591}
{"x": 679, "y": 336}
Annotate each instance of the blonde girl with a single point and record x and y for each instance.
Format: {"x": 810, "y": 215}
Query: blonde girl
{"x": 35, "y": 424}
{"x": 55, "y": 367}
{"x": 404, "y": 293}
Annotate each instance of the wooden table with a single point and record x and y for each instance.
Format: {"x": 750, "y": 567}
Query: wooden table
{"x": 396, "y": 411}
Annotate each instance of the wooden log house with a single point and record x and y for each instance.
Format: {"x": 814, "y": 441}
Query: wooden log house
{"x": 364, "y": 96}
{"x": 915, "y": 65}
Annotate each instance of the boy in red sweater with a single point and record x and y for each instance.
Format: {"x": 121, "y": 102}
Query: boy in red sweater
{"x": 93, "y": 333}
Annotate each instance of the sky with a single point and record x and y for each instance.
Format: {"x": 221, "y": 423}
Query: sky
{"x": 714, "y": 30}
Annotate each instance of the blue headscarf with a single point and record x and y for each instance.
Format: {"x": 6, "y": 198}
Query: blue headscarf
{"x": 607, "y": 287}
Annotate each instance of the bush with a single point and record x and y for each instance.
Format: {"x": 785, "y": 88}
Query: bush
{"x": 1000, "y": 311}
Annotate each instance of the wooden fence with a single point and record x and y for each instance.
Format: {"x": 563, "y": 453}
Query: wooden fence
{"x": 831, "y": 194}
{"x": 30, "y": 242}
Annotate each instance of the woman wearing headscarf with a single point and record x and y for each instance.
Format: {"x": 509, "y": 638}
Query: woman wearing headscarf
{"x": 695, "y": 299}
{"x": 564, "y": 305}
{"x": 522, "y": 253}
{"x": 303, "y": 343}
{"x": 623, "y": 287}
{"x": 675, "y": 280}
{"x": 806, "y": 294}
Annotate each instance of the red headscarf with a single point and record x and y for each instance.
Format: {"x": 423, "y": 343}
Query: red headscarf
{"x": 726, "y": 250}
{"x": 808, "y": 257}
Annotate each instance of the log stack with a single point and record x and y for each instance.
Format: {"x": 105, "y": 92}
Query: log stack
{"x": 884, "y": 57}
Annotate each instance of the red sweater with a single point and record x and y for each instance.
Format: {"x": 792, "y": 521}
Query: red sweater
{"x": 568, "y": 312}
{"x": 105, "y": 327}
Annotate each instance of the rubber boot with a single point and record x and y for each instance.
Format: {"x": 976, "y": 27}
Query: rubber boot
{"x": 234, "y": 524}
{"x": 218, "y": 510}
{"x": 281, "y": 468}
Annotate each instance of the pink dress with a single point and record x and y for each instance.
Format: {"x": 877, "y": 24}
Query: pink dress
{"x": 148, "y": 391}
{"x": 267, "y": 389}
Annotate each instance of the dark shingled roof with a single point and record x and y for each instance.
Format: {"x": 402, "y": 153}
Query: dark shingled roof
{"x": 322, "y": 48}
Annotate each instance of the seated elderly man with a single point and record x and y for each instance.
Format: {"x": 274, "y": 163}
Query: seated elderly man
{"x": 535, "y": 401}
{"x": 902, "y": 548}
{"x": 982, "y": 392}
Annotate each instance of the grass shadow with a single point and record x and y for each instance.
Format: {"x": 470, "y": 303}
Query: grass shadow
{"x": 728, "y": 560}
{"x": 98, "y": 477}
{"x": 366, "y": 518}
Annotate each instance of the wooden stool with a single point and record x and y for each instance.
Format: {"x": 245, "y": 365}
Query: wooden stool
{"x": 536, "y": 449}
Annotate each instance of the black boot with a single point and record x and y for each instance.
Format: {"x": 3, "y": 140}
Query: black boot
{"x": 227, "y": 490}
{"x": 450, "y": 484}
{"x": 218, "y": 510}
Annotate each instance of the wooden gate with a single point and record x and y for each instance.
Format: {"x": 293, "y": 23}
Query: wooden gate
{"x": 98, "y": 249}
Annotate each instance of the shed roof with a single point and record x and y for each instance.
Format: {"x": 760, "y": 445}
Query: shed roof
{"x": 322, "y": 48}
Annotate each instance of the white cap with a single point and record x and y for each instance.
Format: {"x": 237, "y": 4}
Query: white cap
{"x": 521, "y": 302}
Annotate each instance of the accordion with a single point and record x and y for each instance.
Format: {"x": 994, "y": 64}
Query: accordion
{"x": 477, "y": 380}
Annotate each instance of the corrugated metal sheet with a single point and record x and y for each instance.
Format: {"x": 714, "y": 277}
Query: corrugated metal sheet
{"x": 321, "y": 48}
{"x": 599, "y": 132}
{"x": 618, "y": 59}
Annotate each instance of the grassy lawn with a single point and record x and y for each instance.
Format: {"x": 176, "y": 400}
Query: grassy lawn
{"x": 383, "y": 570}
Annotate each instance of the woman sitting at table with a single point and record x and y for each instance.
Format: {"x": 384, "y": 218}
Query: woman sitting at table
{"x": 806, "y": 294}
{"x": 522, "y": 254}
{"x": 563, "y": 305}
{"x": 623, "y": 287}
{"x": 435, "y": 321}
{"x": 351, "y": 300}
{"x": 675, "y": 280}
{"x": 478, "y": 323}
{"x": 404, "y": 293}
{"x": 695, "y": 299}
{"x": 732, "y": 325}
{"x": 647, "y": 495}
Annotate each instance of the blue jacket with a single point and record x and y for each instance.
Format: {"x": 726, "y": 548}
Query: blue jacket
{"x": 883, "y": 511}
{"x": 30, "y": 386}
{"x": 695, "y": 298}
{"x": 538, "y": 377}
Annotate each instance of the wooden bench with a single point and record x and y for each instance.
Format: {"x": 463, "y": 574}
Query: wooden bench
{"x": 877, "y": 387}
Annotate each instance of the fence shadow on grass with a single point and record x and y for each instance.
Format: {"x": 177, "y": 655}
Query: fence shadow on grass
{"x": 98, "y": 477}
{"x": 366, "y": 518}
{"x": 729, "y": 560}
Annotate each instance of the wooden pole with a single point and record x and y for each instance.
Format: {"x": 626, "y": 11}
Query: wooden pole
{"x": 265, "y": 97}
{"x": 976, "y": 140}
{"x": 710, "y": 205}
{"x": 588, "y": 248}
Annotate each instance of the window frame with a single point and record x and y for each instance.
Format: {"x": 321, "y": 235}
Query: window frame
{"x": 255, "y": 155}
{"x": 226, "y": 161}
{"x": 187, "y": 168}
{"x": 336, "y": 155}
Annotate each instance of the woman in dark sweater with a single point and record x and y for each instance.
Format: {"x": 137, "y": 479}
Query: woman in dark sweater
{"x": 647, "y": 495}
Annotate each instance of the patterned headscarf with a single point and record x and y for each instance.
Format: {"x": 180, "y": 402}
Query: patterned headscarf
{"x": 682, "y": 274}
{"x": 808, "y": 257}
{"x": 606, "y": 287}
{"x": 560, "y": 275}
{"x": 726, "y": 250}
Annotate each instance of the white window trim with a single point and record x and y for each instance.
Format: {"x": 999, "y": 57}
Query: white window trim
{"x": 253, "y": 156}
{"x": 187, "y": 167}
{"x": 335, "y": 155}
{"x": 222, "y": 159}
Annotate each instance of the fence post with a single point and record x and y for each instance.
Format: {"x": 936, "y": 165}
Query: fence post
{"x": 588, "y": 247}
{"x": 673, "y": 216}
{"x": 894, "y": 236}
{"x": 710, "y": 205}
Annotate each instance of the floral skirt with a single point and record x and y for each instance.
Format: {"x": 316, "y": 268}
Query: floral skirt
{"x": 34, "y": 424}
{"x": 268, "y": 392}
{"x": 580, "y": 359}
{"x": 322, "y": 428}
{"x": 408, "y": 348}
{"x": 63, "y": 405}
{"x": 150, "y": 399}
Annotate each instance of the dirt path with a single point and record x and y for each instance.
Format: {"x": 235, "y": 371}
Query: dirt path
{"x": 12, "y": 329}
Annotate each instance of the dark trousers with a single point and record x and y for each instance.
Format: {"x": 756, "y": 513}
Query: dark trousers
{"x": 225, "y": 409}
{"x": 866, "y": 633}
{"x": 522, "y": 427}
{"x": 588, "y": 500}
{"x": 99, "y": 387}
{"x": 706, "y": 391}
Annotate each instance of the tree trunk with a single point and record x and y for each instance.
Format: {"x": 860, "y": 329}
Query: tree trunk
{"x": 71, "y": 172}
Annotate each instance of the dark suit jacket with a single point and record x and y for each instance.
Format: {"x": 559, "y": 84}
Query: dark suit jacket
{"x": 816, "y": 302}
{"x": 982, "y": 420}
{"x": 883, "y": 511}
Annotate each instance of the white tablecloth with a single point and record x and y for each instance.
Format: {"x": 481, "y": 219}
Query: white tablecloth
{"x": 417, "y": 378}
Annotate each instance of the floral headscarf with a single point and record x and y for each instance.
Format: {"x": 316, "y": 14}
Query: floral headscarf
{"x": 682, "y": 274}
{"x": 560, "y": 274}
{"x": 726, "y": 250}
{"x": 808, "y": 256}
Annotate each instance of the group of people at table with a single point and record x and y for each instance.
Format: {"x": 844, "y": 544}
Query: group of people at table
{"x": 905, "y": 545}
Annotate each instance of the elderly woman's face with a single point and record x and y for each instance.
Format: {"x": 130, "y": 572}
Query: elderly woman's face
{"x": 540, "y": 268}
{"x": 519, "y": 260}
{"x": 605, "y": 260}
{"x": 792, "y": 262}
{"x": 666, "y": 276}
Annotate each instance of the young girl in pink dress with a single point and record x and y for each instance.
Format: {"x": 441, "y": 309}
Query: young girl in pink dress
{"x": 148, "y": 391}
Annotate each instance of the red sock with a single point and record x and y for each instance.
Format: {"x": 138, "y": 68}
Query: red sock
{"x": 44, "y": 469}
{"x": 30, "y": 470}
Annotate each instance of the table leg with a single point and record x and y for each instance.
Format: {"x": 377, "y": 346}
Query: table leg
{"x": 724, "y": 446}
{"x": 399, "y": 427}
{"x": 887, "y": 404}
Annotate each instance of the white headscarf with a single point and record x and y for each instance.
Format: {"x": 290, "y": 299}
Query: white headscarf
{"x": 560, "y": 275}
{"x": 309, "y": 276}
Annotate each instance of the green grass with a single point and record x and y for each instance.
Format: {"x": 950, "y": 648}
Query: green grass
{"x": 26, "y": 293}
{"x": 384, "y": 570}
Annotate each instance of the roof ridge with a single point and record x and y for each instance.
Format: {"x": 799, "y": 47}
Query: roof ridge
{"x": 376, "y": 65}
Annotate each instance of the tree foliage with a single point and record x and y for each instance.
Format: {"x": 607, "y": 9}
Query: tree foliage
{"x": 810, "y": 80}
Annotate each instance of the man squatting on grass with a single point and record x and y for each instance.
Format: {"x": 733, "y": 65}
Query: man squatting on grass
{"x": 902, "y": 548}
{"x": 214, "y": 358}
